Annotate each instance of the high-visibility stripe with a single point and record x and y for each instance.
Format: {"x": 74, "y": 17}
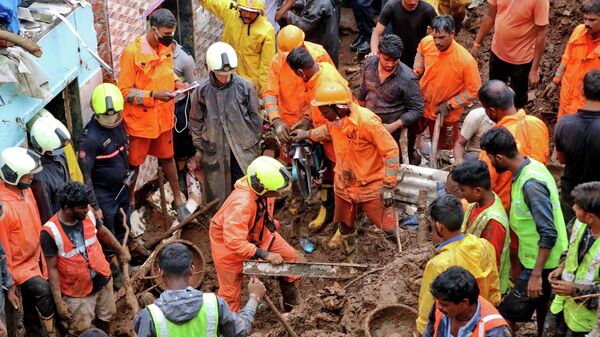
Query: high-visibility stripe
{"x": 160, "y": 320}
{"x": 485, "y": 320}
{"x": 392, "y": 161}
{"x": 272, "y": 108}
{"x": 111, "y": 155}
{"x": 459, "y": 100}
{"x": 131, "y": 96}
{"x": 271, "y": 99}
{"x": 391, "y": 172}
{"x": 139, "y": 97}
{"x": 210, "y": 301}
{"x": 57, "y": 237}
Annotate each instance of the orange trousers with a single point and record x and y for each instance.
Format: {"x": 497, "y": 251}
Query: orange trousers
{"x": 382, "y": 217}
{"x": 230, "y": 283}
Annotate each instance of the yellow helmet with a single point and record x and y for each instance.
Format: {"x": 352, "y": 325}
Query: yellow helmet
{"x": 289, "y": 37}
{"x": 257, "y": 6}
{"x": 266, "y": 174}
{"x": 329, "y": 93}
{"x": 107, "y": 99}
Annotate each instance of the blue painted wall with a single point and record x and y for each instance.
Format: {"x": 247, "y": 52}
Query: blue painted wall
{"x": 64, "y": 61}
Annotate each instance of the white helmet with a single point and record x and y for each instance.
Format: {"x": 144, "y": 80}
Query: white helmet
{"x": 15, "y": 162}
{"x": 48, "y": 134}
{"x": 221, "y": 58}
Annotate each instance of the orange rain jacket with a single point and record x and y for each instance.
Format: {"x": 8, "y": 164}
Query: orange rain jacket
{"x": 253, "y": 43}
{"x": 20, "y": 228}
{"x": 449, "y": 76}
{"x": 581, "y": 56}
{"x": 144, "y": 70}
{"x": 533, "y": 140}
{"x": 285, "y": 95}
{"x": 234, "y": 233}
{"x": 367, "y": 155}
{"x": 327, "y": 73}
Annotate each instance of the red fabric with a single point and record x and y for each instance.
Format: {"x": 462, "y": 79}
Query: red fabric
{"x": 73, "y": 281}
{"x": 494, "y": 232}
{"x": 448, "y": 132}
{"x": 140, "y": 148}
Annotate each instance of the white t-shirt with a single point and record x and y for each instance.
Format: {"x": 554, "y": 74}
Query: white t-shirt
{"x": 474, "y": 126}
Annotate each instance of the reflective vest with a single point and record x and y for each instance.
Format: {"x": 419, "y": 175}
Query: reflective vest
{"x": 73, "y": 268}
{"x": 522, "y": 223}
{"x": 203, "y": 325}
{"x": 494, "y": 212}
{"x": 489, "y": 319}
{"x": 577, "y": 316}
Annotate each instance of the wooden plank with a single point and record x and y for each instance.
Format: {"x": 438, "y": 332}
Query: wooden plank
{"x": 305, "y": 269}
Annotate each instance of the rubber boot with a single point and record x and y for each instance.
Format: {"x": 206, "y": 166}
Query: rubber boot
{"x": 336, "y": 240}
{"x": 349, "y": 245}
{"x": 117, "y": 273}
{"x": 48, "y": 325}
{"x": 290, "y": 294}
{"x": 327, "y": 207}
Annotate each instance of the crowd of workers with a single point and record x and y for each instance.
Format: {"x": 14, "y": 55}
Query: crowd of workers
{"x": 507, "y": 242}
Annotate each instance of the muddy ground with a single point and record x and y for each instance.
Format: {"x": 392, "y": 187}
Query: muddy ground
{"x": 330, "y": 308}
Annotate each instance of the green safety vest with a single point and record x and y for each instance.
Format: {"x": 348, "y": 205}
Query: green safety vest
{"x": 203, "y": 325}
{"x": 577, "y": 316}
{"x": 494, "y": 212}
{"x": 522, "y": 222}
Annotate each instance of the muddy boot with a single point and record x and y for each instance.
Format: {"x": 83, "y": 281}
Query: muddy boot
{"x": 102, "y": 325}
{"x": 117, "y": 273}
{"x": 327, "y": 207}
{"x": 336, "y": 240}
{"x": 290, "y": 294}
{"x": 349, "y": 245}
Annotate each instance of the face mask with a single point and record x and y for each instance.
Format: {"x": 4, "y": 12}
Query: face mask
{"x": 109, "y": 121}
{"x": 166, "y": 40}
{"x": 23, "y": 186}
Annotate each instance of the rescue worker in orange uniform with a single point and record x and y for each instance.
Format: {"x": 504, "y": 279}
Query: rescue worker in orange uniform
{"x": 581, "y": 55}
{"x": 148, "y": 82}
{"x": 367, "y": 166}
{"x": 78, "y": 271}
{"x": 250, "y": 33}
{"x": 312, "y": 73}
{"x": 531, "y": 134}
{"x": 244, "y": 229}
{"x": 288, "y": 106}
{"x": 449, "y": 79}
{"x": 20, "y": 228}
{"x": 459, "y": 309}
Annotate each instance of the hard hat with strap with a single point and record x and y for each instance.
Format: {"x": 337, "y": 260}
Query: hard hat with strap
{"x": 289, "y": 37}
{"x": 48, "y": 134}
{"x": 221, "y": 58}
{"x": 107, "y": 99}
{"x": 257, "y": 6}
{"x": 331, "y": 93}
{"x": 266, "y": 174}
{"x": 15, "y": 162}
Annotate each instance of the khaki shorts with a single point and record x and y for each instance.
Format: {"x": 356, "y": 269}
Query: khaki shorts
{"x": 84, "y": 310}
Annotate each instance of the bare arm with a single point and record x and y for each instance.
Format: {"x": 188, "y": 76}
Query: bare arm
{"x": 486, "y": 25}
{"x": 375, "y": 36}
{"x": 54, "y": 278}
{"x": 540, "y": 41}
{"x": 459, "y": 149}
{"x": 109, "y": 240}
